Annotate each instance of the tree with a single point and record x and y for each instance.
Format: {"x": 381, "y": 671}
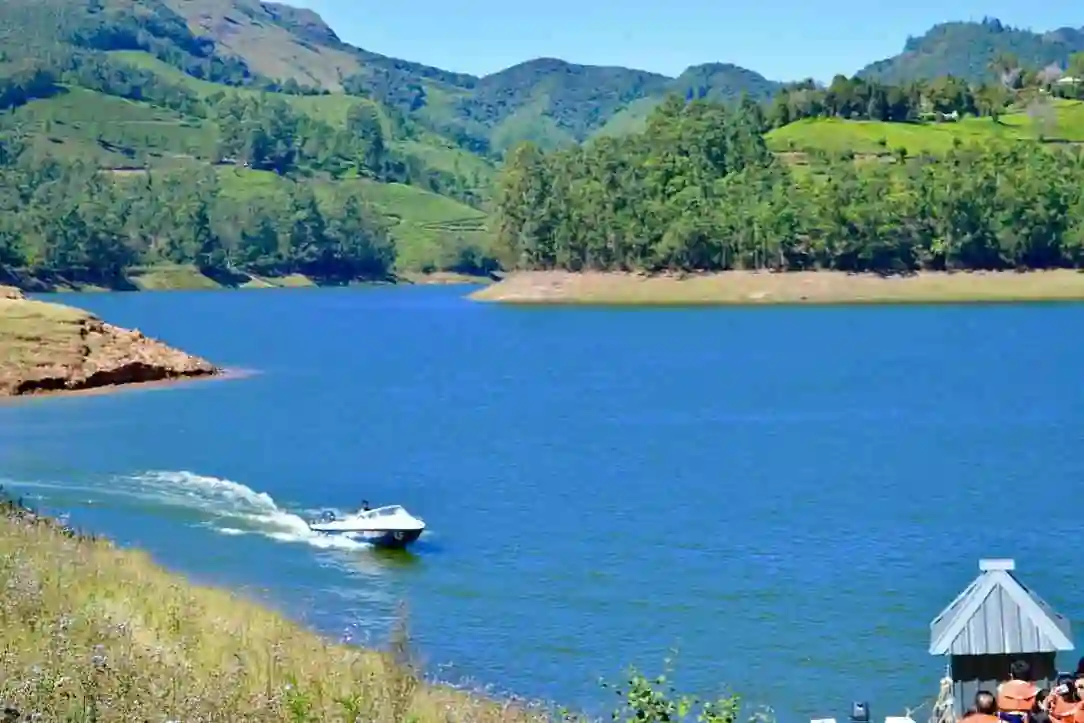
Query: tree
{"x": 363, "y": 122}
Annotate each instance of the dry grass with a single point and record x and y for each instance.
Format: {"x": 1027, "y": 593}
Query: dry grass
{"x": 813, "y": 287}
{"x": 245, "y": 28}
{"x": 33, "y": 332}
{"x": 89, "y": 632}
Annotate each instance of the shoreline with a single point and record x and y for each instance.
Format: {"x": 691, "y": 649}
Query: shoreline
{"x": 224, "y": 375}
{"x": 763, "y": 288}
{"x": 188, "y": 278}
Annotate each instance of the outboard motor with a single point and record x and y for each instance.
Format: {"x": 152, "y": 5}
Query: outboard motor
{"x": 325, "y": 516}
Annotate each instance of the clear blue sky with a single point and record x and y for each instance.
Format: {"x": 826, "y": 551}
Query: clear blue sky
{"x": 783, "y": 39}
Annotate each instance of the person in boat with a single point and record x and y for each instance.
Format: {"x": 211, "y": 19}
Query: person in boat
{"x": 1016, "y": 696}
{"x": 365, "y": 506}
{"x": 985, "y": 710}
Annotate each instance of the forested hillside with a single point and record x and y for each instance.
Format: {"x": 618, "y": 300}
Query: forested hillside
{"x": 244, "y": 142}
{"x": 970, "y": 51}
{"x": 111, "y": 104}
{"x": 699, "y": 189}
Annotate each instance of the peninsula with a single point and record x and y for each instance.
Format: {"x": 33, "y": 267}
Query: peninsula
{"x": 55, "y": 348}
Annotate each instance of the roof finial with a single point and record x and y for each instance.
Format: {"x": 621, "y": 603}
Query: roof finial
{"x": 991, "y": 564}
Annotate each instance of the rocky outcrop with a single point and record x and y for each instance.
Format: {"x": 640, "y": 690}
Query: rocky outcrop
{"x": 53, "y": 348}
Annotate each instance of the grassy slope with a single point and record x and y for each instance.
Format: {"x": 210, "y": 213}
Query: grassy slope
{"x": 113, "y": 132}
{"x": 435, "y": 151}
{"x": 91, "y": 632}
{"x": 863, "y": 137}
{"x": 244, "y": 28}
{"x": 425, "y": 226}
{"x": 331, "y": 109}
{"x": 428, "y": 229}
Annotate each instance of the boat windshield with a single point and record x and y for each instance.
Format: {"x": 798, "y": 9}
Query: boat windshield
{"x": 383, "y": 511}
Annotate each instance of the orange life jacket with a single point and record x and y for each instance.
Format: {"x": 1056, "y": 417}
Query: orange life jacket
{"x": 1061, "y": 710}
{"x": 1016, "y": 696}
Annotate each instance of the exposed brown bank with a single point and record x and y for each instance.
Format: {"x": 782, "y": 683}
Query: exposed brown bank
{"x": 808, "y": 287}
{"x": 55, "y": 348}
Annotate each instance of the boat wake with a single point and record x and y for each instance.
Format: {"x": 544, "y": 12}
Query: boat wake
{"x": 225, "y": 506}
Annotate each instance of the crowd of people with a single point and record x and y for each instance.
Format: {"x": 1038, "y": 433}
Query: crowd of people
{"x": 1019, "y": 700}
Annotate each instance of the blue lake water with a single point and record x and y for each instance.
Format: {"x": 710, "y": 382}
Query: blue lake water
{"x": 781, "y": 494}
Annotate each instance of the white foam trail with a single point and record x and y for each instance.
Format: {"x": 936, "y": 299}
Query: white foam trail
{"x": 234, "y": 508}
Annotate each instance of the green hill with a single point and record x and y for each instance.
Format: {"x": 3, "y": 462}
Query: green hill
{"x": 127, "y": 87}
{"x": 967, "y": 50}
{"x": 863, "y": 137}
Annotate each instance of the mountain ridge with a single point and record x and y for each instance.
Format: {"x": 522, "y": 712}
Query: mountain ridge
{"x": 554, "y": 101}
{"x": 966, "y": 49}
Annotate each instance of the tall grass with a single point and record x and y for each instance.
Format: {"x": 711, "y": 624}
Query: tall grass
{"x": 90, "y": 632}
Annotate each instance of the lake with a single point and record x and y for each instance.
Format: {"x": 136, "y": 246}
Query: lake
{"x": 786, "y": 496}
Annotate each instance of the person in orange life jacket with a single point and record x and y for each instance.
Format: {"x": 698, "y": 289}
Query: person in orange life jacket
{"x": 1016, "y": 696}
{"x": 1063, "y": 704}
{"x": 1078, "y": 712}
{"x": 985, "y": 710}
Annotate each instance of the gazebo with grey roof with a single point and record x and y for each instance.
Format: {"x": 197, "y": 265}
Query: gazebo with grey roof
{"x": 994, "y": 621}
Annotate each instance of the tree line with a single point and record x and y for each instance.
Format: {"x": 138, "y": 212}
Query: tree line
{"x": 699, "y": 190}
{"x": 68, "y": 220}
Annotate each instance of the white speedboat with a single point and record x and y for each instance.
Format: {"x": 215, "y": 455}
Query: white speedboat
{"x": 390, "y": 526}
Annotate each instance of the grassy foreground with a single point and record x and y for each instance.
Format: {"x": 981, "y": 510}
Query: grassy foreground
{"x": 809, "y": 287}
{"x": 89, "y": 632}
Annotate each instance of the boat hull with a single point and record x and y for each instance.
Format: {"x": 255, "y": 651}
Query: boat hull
{"x": 390, "y": 538}
{"x": 378, "y": 538}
